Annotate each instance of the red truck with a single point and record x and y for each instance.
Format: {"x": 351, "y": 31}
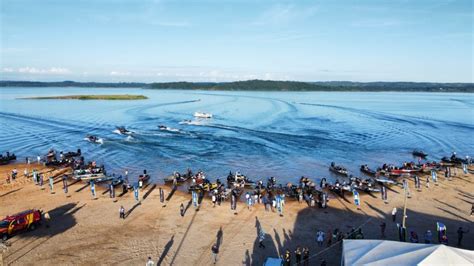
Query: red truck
{"x": 26, "y": 220}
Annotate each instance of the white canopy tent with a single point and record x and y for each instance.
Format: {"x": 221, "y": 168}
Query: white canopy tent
{"x": 383, "y": 252}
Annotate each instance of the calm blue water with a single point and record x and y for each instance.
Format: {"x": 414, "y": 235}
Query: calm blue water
{"x": 284, "y": 134}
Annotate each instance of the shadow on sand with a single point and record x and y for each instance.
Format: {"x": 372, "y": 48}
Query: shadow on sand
{"x": 309, "y": 220}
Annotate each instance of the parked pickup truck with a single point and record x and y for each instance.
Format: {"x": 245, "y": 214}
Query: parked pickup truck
{"x": 13, "y": 224}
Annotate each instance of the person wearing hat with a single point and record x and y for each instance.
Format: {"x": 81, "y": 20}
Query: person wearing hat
{"x": 150, "y": 262}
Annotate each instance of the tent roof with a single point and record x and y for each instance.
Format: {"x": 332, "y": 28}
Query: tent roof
{"x": 383, "y": 252}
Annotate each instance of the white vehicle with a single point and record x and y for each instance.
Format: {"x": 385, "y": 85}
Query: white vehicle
{"x": 202, "y": 115}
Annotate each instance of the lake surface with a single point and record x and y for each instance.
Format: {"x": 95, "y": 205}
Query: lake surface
{"x": 261, "y": 134}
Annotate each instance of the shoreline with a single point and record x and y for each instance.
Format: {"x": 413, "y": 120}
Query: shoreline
{"x": 88, "y": 231}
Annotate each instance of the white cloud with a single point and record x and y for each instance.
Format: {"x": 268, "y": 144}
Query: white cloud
{"x": 34, "y": 70}
{"x": 282, "y": 14}
{"x": 117, "y": 73}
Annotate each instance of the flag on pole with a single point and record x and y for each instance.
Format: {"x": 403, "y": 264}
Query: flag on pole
{"x": 93, "y": 189}
{"x": 356, "y": 198}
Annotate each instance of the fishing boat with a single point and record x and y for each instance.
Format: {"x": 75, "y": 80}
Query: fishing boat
{"x": 202, "y": 115}
{"x": 4, "y": 159}
{"x": 144, "y": 178}
{"x": 239, "y": 180}
{"x": 117, "y": 181}
{"x": 419, "y": 153}
{"x": 55, "y": 162}
{"x": 94, "y": 139}
{"x": 403, "y": 171}
{"x": 338, "y": 169}
{"x": 123, "y": 131}
{"x": 85, "y": 173}
{"x": 101, "y": 177}
{"x": 178, "y": 177}
{"x": 71, "y": 154}
{"x": 165, "y": 128}
{"x": 385, "y": 181}
{"x": 453, "y": 160}
{"x": 366, "y": 170}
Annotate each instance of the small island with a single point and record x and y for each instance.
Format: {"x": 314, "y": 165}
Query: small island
{"x": 90, "y": 97}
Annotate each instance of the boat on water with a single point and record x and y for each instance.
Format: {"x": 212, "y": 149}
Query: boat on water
{"x": 338, "y": 169}
{"x": 239, "y": 180}
{"x": 165, "y": 128}
{"x": 178, "y": 177}
{"x": 419, "y": 153}
{"x": 202, "y": 115}
{"x": 144, "y": 178}
{"x": 385, "y": 181}
{"x": 395, "y": 172}
{"x": 366, "y": 170}
{"x": 116, "y": 181}
{"x": 454, "y": 159}
{"x": 97, "y": 178}
{"x": 70, "y": 154}
{"x": 94, "y": 139}
{"x": 8, "y": 157}
{"x": 85, "y": 173}
{"x": 123, "y": 131}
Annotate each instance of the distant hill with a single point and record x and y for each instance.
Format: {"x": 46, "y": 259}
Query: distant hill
{"x": 268, "y": 85}
{"x": 8, "y": 83}
{"x": 264, "y": 85}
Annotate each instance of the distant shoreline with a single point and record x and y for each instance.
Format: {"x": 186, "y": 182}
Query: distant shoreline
{"x": 264, "y": 85}
{"x": 89, "y": 97}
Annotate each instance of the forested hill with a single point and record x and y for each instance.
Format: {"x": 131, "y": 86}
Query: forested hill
{"x": 263, "y": 85}
{"x": 267, "y": 85}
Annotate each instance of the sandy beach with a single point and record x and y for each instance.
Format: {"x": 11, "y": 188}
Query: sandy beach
{"x": 88, "y": 231}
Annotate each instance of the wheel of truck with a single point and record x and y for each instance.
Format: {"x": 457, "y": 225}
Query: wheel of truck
{"x": 4, "y": 237}
{"x": 32, "y": 226}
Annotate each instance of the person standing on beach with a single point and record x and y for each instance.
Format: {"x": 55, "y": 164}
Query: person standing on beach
{"x": 195, "y": 198}
{"x": 181, "y": 210}
{"x": 65, "y": 185}
{"x": 41, "y": 180}
{"x": 394, "y": 214}
{"x": 434, "y": 176}
{"x": 38, "y": 158}
{"x": 320, "y": 238}
{"x": 51, "y": 184}
{"x": 305, "y": 256}
{"x": 461, "y": 232}
{"x": 214, "y": 199}
{"x": 428, "y": 182}
{"x": 162, "y": 195}
{"x": 464, "y": 168}
{"x": 25, "y": 173}
{"x": 261, "y": 238}
{"x": 47, "y": 219}
{"x": 215, "y": 251}
{"x": 111, "y": 191}
{"x": 135, "y": 192}
{"x": 298, "y": 254}
{"x": 122, "y": 212}
{"x": 150, "y": 262}
{"x": 428, "y": 237}
{"x": 93, "y": 189}
{"x": 383, "y": 225}
{"x": 287, "y": 258}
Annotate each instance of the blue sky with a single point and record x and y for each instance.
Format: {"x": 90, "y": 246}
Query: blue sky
{"x": 236, "y": 40}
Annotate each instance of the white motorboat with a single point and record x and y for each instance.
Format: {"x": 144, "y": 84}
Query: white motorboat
{"x": 202, "y": 115}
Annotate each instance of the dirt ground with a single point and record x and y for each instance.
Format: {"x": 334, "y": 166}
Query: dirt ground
{"x": 88, "y": 231}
